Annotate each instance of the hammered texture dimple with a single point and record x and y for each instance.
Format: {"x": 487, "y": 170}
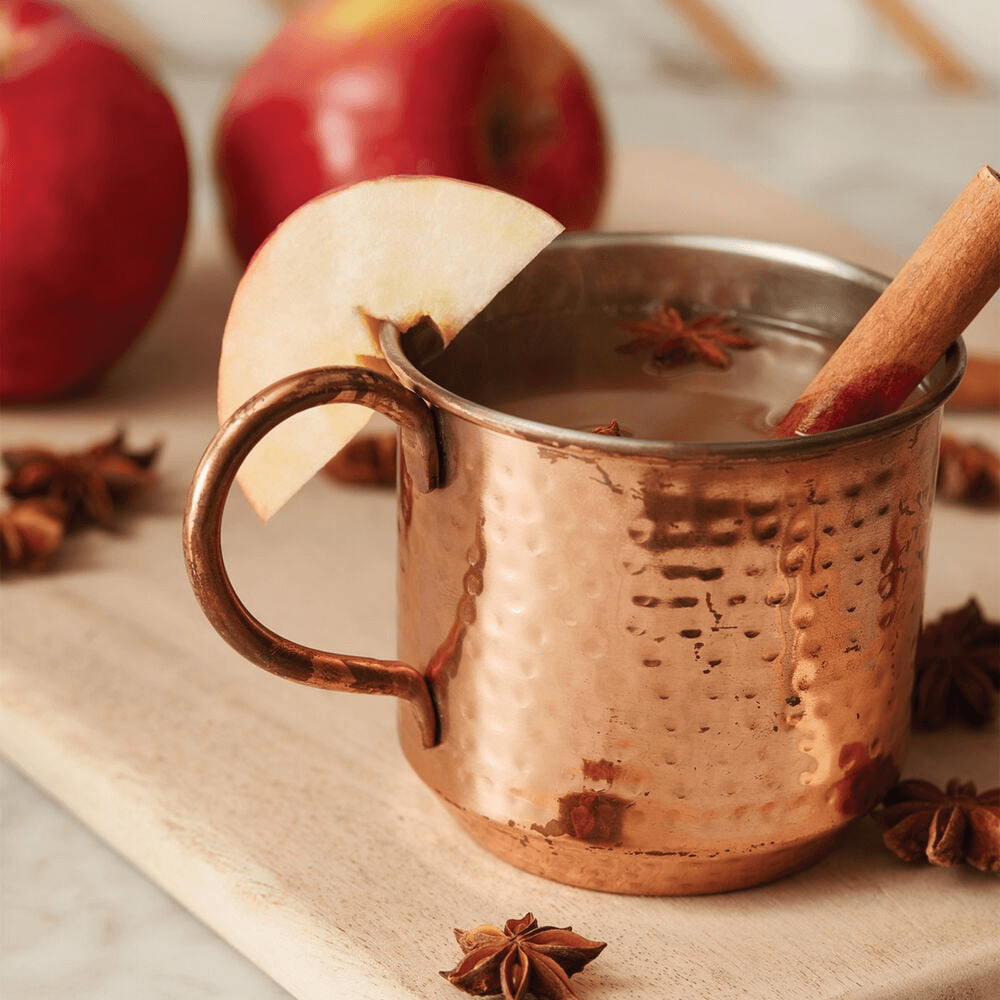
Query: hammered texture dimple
{"x": 692, "y": 661}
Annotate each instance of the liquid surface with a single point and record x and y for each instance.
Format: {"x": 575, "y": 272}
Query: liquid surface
{"x": 691, "y": 402}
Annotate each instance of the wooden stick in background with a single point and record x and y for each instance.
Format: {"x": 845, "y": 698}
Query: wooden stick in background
{"x": 947, "y": 69}
{"x": 979, "y": 391}
{"x": 940, "y": 289}
{"x": 722, "y": 38}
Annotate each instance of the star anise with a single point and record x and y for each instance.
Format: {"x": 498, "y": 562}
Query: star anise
{"x": 30, "y": 531}
{"x": 92, "y": 483}
{"x": 368, "y": 460}
{"x": 611, "y": 429}
{"x": 957, "y": 670}
{"x": 920, "y": 822}
{"x": 676, "y": 341}
{"x": 968, "y": 473}
{"x": 521, "y": 959}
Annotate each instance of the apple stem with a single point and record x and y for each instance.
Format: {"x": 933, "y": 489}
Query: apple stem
{"x": 8, "y": 43}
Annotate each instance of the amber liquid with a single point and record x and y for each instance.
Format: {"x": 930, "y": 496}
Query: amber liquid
{"x": 692, "y": 402}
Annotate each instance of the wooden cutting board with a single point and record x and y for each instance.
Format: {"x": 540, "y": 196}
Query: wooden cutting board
{"x": 286, "y": 818}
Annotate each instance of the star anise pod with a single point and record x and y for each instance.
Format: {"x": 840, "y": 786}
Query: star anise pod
{"x": 957, "y": 670}
{"x": 92, "y": 483}
{"x": 368, "y": 460}
{"x": 676, "y": 341}
{"x": 968, "y": 473}
{"x": 611, "y": 429}
{"x": 521, "y": 959}
{"x": 920, "y": 822}
{"x": 30, "y": 531}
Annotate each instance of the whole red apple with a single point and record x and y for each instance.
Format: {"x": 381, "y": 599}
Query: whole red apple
{"x": 94, "y": 200}
{"x": 350, "y": 90}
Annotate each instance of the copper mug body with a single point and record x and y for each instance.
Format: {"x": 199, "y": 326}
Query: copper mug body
{"x": 629, "y": 665}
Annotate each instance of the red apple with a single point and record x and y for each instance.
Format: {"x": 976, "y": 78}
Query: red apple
{"x": 94, "y": 200}
{"x": 351, "y": 90}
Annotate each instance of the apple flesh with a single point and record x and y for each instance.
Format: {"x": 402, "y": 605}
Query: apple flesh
{"x": 95, "y": 201}
{"x": 351, "y": 90}
{"x": 397, "y": 249}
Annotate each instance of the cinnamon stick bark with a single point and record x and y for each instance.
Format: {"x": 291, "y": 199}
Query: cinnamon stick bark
{"x": 940, "y": 289}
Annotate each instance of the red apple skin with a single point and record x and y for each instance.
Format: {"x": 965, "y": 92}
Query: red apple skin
{"x": 95, "y": 195}
{"x": 350, "y": 90}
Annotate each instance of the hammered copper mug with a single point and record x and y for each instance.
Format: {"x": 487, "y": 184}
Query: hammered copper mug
{"x": 625, "y": 664}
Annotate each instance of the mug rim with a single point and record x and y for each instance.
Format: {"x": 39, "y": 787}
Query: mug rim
{"x": 954, "y": 358}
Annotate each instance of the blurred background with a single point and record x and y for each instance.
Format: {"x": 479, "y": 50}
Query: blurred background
{"x": 877, "y": 111}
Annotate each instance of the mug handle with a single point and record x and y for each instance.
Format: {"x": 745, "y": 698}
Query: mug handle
{"x": 203, "y": 529}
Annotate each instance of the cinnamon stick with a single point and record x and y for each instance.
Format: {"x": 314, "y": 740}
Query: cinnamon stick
{"x": 940, "y": 289}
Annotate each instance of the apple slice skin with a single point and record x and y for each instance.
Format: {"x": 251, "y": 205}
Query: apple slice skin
{"x": 396, "y": 249}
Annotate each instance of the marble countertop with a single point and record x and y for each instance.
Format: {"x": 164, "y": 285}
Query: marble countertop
{"x": 78, "y": 920}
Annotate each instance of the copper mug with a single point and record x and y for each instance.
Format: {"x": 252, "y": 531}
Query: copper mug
{"x": 625, "y": 664}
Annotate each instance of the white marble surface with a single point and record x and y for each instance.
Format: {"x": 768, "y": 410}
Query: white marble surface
{"x": 80, "y": 923}
{"x": 77, "y": 920}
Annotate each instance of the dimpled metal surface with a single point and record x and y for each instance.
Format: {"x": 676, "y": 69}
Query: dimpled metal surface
{"x": 664, "y": 673}
{"x": 659, "y": 677}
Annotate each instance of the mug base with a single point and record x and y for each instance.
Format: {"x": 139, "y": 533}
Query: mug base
{"x": 619, "y": 870}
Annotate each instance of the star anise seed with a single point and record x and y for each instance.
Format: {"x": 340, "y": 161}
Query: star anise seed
{"x": 920, "y": 822}
{"x": 676, "y": 341}
{"x": 92, "y": 483}
{"x": 521, "y": 958}
{"x": 957, "y": 670}
{"x": 968, "y": 473}
{"x": 30, "y": 531}
{"x": 612, "y": 429}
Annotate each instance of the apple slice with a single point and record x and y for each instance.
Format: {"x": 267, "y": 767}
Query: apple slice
{"x": 397, "y": 249}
